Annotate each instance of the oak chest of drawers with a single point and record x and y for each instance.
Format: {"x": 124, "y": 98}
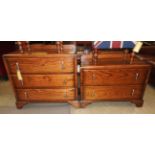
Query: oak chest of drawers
{"x": 42, "y": 77}
{"x": 113, "y": 78}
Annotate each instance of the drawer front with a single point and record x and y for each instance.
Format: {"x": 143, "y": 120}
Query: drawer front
{"x": 41, "y": 65}
{"x": 114, "y": 76}
{"x": 44, "y": 81}
{"x": 46, "y": 94}
{"x": 112, "y": 92}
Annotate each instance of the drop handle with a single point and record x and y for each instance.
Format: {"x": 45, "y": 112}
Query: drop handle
{"x": 93, "y": 77}
{"x": 65, "y": 82}
{"x": 17, "y": 66}
{"x": 93, "y": 94}
{"x": 65, "y": 94}
{"x": 137, "y": 76}
{"x": 133, "y": 91}
{"x": 62, "y": 65}
{"x": 26, "y": 95}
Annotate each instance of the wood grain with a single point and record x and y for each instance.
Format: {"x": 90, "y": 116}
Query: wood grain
{"x": 42, "y": 65}
{"x": 44, "y": 81}
{"x": 114, "y": 76}
{"x": 46, "y": 94}
{"x": 112, "y": 92}
{"x": 47, "y": 77}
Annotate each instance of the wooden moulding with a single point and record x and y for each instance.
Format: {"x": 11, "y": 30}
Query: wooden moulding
{"x": 20, "y": 104}
{"x": 139, "y": 103}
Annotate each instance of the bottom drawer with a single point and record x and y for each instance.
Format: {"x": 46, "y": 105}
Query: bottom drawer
{"x": 46, "y": 94}
{"x": 112, "y": 92}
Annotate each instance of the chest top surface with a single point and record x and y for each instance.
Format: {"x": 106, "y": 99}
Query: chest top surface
{"x": 108, "y": 60}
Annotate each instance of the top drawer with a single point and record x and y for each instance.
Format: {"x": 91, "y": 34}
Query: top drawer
{"x": 114, "y": 76}
{"x": 42, "y": 65}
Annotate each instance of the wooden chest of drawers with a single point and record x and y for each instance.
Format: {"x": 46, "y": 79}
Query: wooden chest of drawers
{"x": 113, "y": 79}
{"x": 44, "y": 78}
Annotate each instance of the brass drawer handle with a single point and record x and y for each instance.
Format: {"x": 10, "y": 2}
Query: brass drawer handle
{"x": 65, "y": 82}
{"x": 65, "y": 94}
{"x": 22, "y": 83}
{"x": 17, "y": 66}
{"x": 62, "y": 65}
{"x": 26, "y": 95}
{"x": 133, "y": 91}
{"x": 93, "y": 94}
{"x": 137, "y": 76}
{"x": 93, "y": 77}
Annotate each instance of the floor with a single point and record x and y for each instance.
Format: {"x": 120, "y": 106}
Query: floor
{"x": 7, "y": 105}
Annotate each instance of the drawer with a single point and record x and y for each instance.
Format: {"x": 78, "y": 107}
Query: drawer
{"x": 41, "y": 65}
{"x": 44, "y": 81}
{"x": 114, "y": 76}
{"x": 112, "y": 92}
{"x": 46, "y": 94}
